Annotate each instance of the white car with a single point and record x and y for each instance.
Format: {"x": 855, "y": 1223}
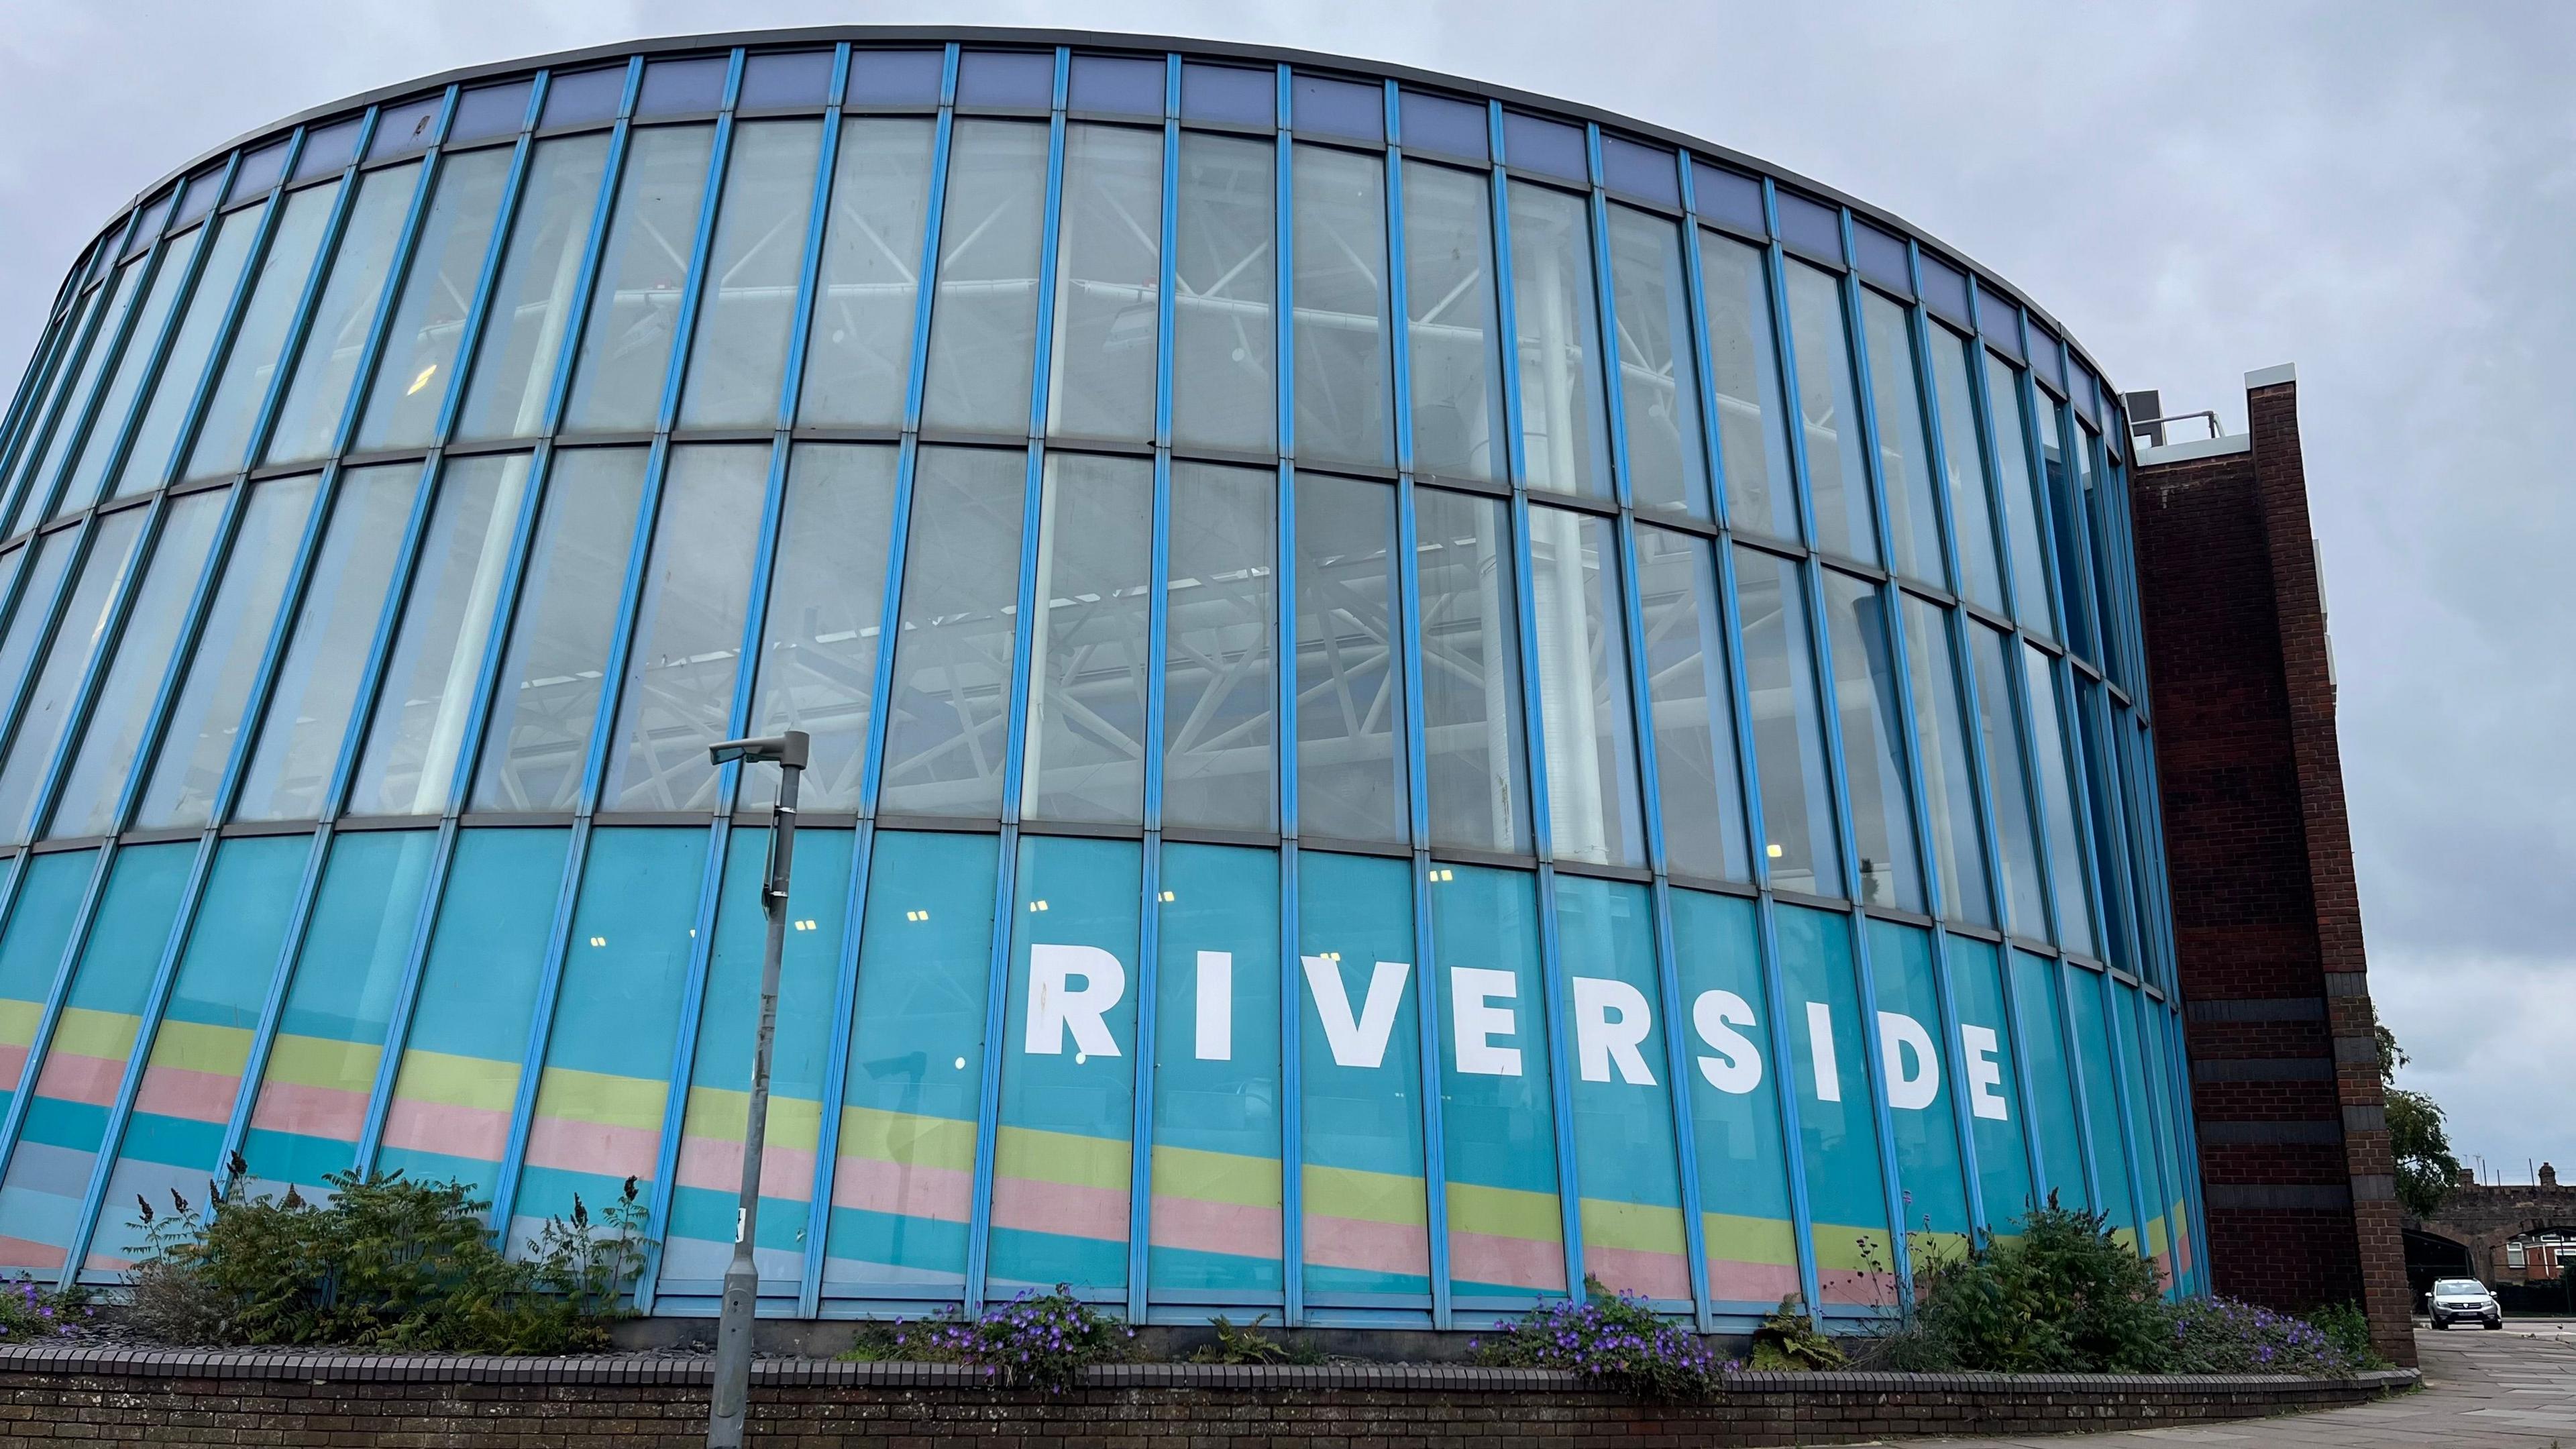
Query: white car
{"x": 2459, "y": 1300}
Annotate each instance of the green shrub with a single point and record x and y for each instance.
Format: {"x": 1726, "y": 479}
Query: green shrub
{"x": 29, "y": 1313}
{"x": 1035, "y": 1341}
{"x": 386, "y": 1263}
{"x": 2348, "y": 1329}
{"x": 2065, "y": 1296}
{"x": 2224, "y": 1336}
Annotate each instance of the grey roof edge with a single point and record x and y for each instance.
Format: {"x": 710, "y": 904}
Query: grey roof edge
{"x": 798, "y": 36}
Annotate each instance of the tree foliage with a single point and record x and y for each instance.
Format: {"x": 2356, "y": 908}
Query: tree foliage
{"x": 2418, "y": 1136}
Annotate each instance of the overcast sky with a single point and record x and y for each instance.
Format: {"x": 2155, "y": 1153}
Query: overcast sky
{"x": 2382, "y": 194}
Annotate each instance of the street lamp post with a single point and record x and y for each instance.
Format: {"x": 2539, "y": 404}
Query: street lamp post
{"x": 732, "y": 1393}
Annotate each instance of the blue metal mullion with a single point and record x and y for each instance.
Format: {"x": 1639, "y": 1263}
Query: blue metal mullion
{"x": 1292, "y": 976}
{"x": 79, "y": 330}
{"x": 1283, "y": 251}
{"x": 514, "y": 1150}
{"x": 1695, "y": 291}
{"x": 33, "y": 391}
{"x": 325, "y": 257}
{"x": 1775, "y": 280}
{"x": 2124, "y": 1104}
{"x": 1148, "y": 948}
{"x": 612, "y": 174}
{"x": 1051, "y": 224}
{"x": 684, "y": 1039}
{"x": 1991, "y": 425}
{"x": 1399, "y": 307}
{"x": 801, "y": 323}
{"x": 156, "y": 999}
{"x": 1435, "y": 1166}
{"x": 1506, "y": 305}
{"x": 684, "y": 328}
{"x": 2042, "y": 502}
{"x": 50, "y": 1014}
{"x": 1918, "y": 794}
{"x": 1166, "y": 255}
{"x": 988, "y": 1104}
{"x": 469, "y": 337}
{"x": 1605, "y": 302}
{"x": 254, "y": 260}
{"x": 943, "y": 139}
{"x": 83, "y": 413}
{"x": 148, "y": 379}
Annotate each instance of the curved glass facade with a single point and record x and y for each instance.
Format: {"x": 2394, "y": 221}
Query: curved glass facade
{"x": 1416, "y": 695}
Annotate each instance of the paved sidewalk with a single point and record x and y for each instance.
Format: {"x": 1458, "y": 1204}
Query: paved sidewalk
{"x": 2482, "y": 1390}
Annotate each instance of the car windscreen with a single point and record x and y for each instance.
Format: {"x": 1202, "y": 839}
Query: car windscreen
{"x": 2459, "y": 1285}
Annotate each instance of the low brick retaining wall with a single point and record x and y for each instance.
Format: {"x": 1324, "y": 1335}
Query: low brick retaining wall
{"x": 160, "y": 1397}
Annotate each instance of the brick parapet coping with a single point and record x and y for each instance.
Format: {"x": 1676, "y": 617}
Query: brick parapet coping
{"x": 49, "y": 1394}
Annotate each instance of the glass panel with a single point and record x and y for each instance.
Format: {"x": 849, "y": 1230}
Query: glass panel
{"x": 1697, "y": 776}
{"x": 1904, "y": 459}
{"x": 1108, "y": 284}
{"x": 174, "y": 1137}
{"x": 2066, "y": 525}
{"x": 459, "y": 1077}
{"x": 25, "y": 449}
{"x": 818, "y": 661}
{"x": 1130, "y": 84}
{"x": 321, "y": 1074}
{"x": 1221, "y": 635}
{"x": 1829, "y": 410}
{"x": 33, "y": 615}
{"x": 1474, "y": 761}
{"x": 909, "y": 78}
{"x": 858, "y": 352}
{"x": 984, "y": 322}
{"x": 2043, "y": 1043}
{"x": 682, "y": 665}
{"x": 2019, "y": 842}
{"x": 66, "y": 1121}
{"x": 538, "y": 740}
{"x": 625, "y": 357}
{"x": 1229, "y": 93}
{"x": 107, "y": 429}
{"x": 1088, "y": 650}
{"x": 335, "y": 340}
{"x": 122, "y": 708}
{"x": 706, "y": 1181}
{"x": 418, "y": 368}
{"x": 1338, "y": 107}
{"x": 800, "y": 78}
{"x": 1565, "y": 437}
{"x": 70, "y": 424}
{"x": 1360, "y": 1080}
{"x": 522, "y": 340}
{"x": 405, "y": 127}
{"x": 1456, "y": 362}
{"x": 1874, "y": 772}
{"x": 1838, "y": 1131}
{"x": 1918, "y": 1074}
{"x": 1345, "y": 383}
{"x": 903, "y": 1183}
{"x": 677, "y": 87}
{"x": 2021, "y": 499}
{"x": 1442, "y": 124}
{"x": 2175, "y": 1203}
{"x": 1993, "y": 1081}
{"x": 2139, "y": 1119}
{"x": 1350, "y": 670}
{"x": 1623, "y": 1110}
{"x": 738, "y": 352}
{"x": 1215, "y": 1225}
{"x": 1735, "y": 1104}
{"x": 31, "y": 953}
{"x": 1658, "y": 384}
{"x": 1005, "y": 79}
{"x": 584, "y": 97}
{"x": 2090, "y": 1022}
{"x": 486, "y": 111}
{"x": 1497, "y": 1121}
{"x": 2101, "y": 796}
{"x": 430, "y": 681}
{"x": 205, "y": 719}
{"x": 1593, "y": 810}
{"x": 2106, "y": 502}
{"x": 947, "y": 718}
{"x": 1949, "y": 787}
{"x": 317, "y": 679}
{"x": 1810, "y": 224}
{"x": 1744, "y": 366}
{"x": 1225, "y": 277}
{"x": 1062, "y": 1157}
{"x": 605, "y": 1088}
{"x": 258, "y": 171}
{"x": 1788, "y": 726}
{"x": 88, "y": 615}
{"x": 2054, "y": 750}
{"x": 1640, "y": 170}
{"x": 147, "y": 459}
{"x": 1551, "y": 148}
{"x": 1972, "y": 520}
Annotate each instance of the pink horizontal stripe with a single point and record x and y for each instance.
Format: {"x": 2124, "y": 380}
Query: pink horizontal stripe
{"x": 102, "y": 1263}
{"x": 188, "y": 1095}
{"x": 2164, "y": 1270}
{"x": 570, "y": 1146}
{"x": 13, "y": 1063}
{"x": 942, "y": 1194}
{"x": 28, "y": 1253}
{"x": 71, "y": 1077}
{"x": 335, "y": 1114}
{"x": 1751, "y": 1282}
{"x": 1054, "y": 1207}
{"x": 1515, "y": 1262}
{"x": 480, "y": 1134}
{"x": 1848, "y": 1285}
{"x": 1215, "y": 1227}
{"x": 786, "y": 1173}
{"x": 1367, "y": 1245}
{"x": 1637, "y": 1270}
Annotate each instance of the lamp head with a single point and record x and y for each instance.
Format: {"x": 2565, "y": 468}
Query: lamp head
{"x": 788, "y": 750}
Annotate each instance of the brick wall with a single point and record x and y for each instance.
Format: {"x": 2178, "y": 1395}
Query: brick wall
{"x": 127, "y": 1397}
{"x": 2299, "y": 1184}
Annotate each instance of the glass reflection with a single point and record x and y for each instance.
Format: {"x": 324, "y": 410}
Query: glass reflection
{"x": 1949, "y": 785}
{"x": 1788, "y": 726}
{"x": 1556, "y": 317}
{"x": 1344, "y": 378}
{"x": 1474, "y": 757}
{"x": 1829, "y": 411}
{"x": 523, "y": 330}
{"x": 1873, "y": 743}
{"x": 818, "y": 661}
{"x": 983, "y": 324}
{"x": 1697, "y": 778}
{"x": 1350, "y": 668}
{"x": 747, "y": 304}
{"x": 1455, "y": 365}
{"x": 1225, "y": 283}
{"x": 1220, "y": 644}
{"x": 858, "y": 353}
{"x": 147, "y": 458}
{"x": 1744, "y": 367}
{"x": 107, "y": 429}
{"x": 1108, "y": 285}
{"x": 343, "y": 321}
{"x": 1087, "y": 651}
{"x": 413, "y": 379}
{"x": 1658, "y": 385}
{"x": 1904, "y": 459}
{"x": 88, "y": 615}
{"x": 947, "y": 720}
{"x": 625, "y": 355}
{"x": 1593, "y": 808}
{"x": 1972, "y": 516}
